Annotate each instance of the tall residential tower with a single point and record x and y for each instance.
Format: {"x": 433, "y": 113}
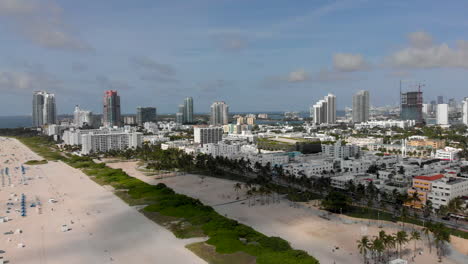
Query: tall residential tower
{"x": 111, "y": 113}
{"x": 324, "y": 111}
{"x": 44, "y": 110}
{"x": 361, "y": 107}
{"x": 188, "y": 110}
{"x": 219, "y": 114}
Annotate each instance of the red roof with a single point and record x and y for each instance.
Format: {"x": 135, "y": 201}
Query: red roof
{"x": 430, "y": 178}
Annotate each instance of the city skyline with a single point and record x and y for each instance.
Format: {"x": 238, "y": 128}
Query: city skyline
{"x": 301, "y": 52}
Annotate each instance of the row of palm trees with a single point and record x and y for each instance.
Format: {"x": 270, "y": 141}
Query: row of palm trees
{"x": 437, "y": 234}
{"x": 382, "y": 247}
{"x": 266, "y": 195}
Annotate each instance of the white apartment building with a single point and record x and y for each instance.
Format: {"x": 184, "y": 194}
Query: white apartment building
{"x": 341, "y": 181}
{"x": 358, "y": 165}
{"x": 151, "y": 127}
{"x": 204, "y": 135}
{"x": 311, "y": 168}
{"x": 442, "y": 114}
{"x": 221, "y": 149}
{"x": 82, "y": 117}
{"x": 338, "y": 151}
{"x": 74, "y": 136}
{"x": 95, "y": 142}
{"x": 386, "y": 124}
{"x": 448, "y": 153}
{"x": 465, "y": 111}
{"x": 364, "y": 142}
{"x": 278, "y": 159}
{"x": 447, "y": 189}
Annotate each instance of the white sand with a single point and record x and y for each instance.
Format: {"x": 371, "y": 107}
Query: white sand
{"x": 302, "y": 227}
{"x": 104, "y": 229}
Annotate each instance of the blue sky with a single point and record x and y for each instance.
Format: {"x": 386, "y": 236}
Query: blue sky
{"x": 255, "y": 55}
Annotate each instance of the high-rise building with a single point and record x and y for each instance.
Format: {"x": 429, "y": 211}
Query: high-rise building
{"x": 324, "y": 111}
{"x": 180, "y": 115}
{"x": 188, "y": 110}
{"x": 111, "y": 114}
{"x": 145, "y": 114}
{"x": 442, "y": 114}
{"x": 411, "y": 106}
{"x": 205, "y": 134}
{"x": 361, "y": 107}
{"x": 440, "y": 99}
{"x": 219, "y": 113}
{"x": 465, "y": 111}
{"x": 82, "y": 117}
{"x": 44, "y": 110}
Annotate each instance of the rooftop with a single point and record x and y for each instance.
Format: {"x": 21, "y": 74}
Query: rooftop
{"x": 430, "y": 178}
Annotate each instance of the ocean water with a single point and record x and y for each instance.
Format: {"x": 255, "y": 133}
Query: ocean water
{"x": 15, "y": 121}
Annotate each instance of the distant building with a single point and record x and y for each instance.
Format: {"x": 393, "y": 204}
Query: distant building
{"x": 386, "y": 124}
{"x": 411, "y": 106}
{"x": 324, "y": 111}
{"x": 219, "y": 114}
{"x": 448, "y": 153}
{"x": 440, "y": 99}
{"x": 465, "y": 111}
{"x": 204, "y": 135}
{"x": 82, "y": 117}
{"x": 44, "y": 110}
{"x": 96, "y": 142}
{"x": 339, "y": 151}
{"x": 188, "y": 110}
{"x": 129, "y": 120}
{"x": 361, "y": 107}
{"x": 111, "y": 113}
{"x": 433, "y": 143}
{"x": 145, "y": 114}
{"x": 442, "y": 114}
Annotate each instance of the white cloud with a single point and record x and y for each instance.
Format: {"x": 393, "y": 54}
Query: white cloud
{"x": 42, "y": 23}
{"x": 298, "y": 76}
{"x": 346, "y": 62}
{"x": 423, "y": 53}
{"x": 13, "y": 81}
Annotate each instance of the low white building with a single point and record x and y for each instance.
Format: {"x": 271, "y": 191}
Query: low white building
{"x": 339, "y": 151}
{"x": 448, "y": 153}
{"x": 95, "y": 142}
{"x": 273, "y": 159}
{"x": 364, "y": 142}
{"x": 151, "y": 127}
{"x": 447, "y": 189}
{"x": 386, "y": 124}
{"x": 310, "y": 168}
{"x": 204, "y": 135}
{"x": 221, "y": 149}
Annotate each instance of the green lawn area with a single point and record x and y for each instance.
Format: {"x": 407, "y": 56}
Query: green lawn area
{"x": 36, "y": 162}
{"x": 42, "y": 147}
{"x": 208, "y": 253}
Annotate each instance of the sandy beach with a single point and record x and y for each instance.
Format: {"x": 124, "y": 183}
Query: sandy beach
{"x": 300, "y": 224}
{"x": 101, "y": 227}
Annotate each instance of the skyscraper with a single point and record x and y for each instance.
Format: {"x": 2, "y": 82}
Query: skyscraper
{"x": 82, "y": 117}
{"x": 442, "y": 114}
{"x": 145, "y": 114}
{"x": 440, "y": 99}
{"x": 180, "y": 116}
{"x": 111, "y": 113}
{"x": 219, "y": 113}
{"x": 465, "y": 111}
{"x": 324, "y": 111}
{"x": 361, "y": 107}
{"x": 188, "y": 110}
{"x": 44, "y": 110}
{"x": 411, "y": 106}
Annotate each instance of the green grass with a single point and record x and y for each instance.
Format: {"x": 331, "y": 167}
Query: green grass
{"x": 208, "y": 253}
{"x": 42, "y": 146}
{"x": 36, "y": 162}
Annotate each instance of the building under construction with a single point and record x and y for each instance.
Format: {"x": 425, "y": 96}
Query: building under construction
{"x": 411, "y": 104}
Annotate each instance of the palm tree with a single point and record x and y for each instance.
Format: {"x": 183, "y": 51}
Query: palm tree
{"x": 378, "y": 247}
{"x": 389, "y": 242}
{"x": 427, "y": 231}
{"x": 415, "y": 235}
{"x": 249, "y": 195}
{"x": 401, "y": 239}
{"x": 363, "y": 246}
